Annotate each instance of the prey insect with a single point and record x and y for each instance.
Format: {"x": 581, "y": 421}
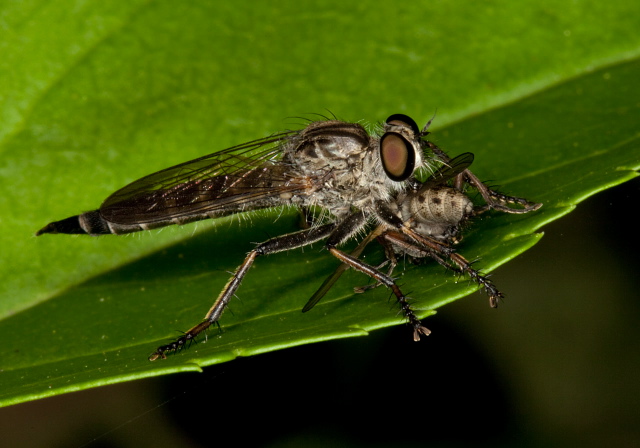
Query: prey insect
{"x": 356, "y": 178}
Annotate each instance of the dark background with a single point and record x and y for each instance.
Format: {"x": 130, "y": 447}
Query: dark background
{"x": 556, "y": 365}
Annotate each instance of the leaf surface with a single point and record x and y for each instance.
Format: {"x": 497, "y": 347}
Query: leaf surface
{"x": 545, "y": 96}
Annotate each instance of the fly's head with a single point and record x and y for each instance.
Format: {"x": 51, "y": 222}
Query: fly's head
{"x": 401, "y": 150}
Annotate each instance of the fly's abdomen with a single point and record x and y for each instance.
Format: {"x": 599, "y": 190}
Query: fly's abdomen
{"x": 90, "y": 223}
{"x": 183, "y": 204}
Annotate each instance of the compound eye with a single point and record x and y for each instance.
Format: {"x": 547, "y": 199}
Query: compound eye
{"x": 404, "y": 120}
{"x": 397, "y": 156}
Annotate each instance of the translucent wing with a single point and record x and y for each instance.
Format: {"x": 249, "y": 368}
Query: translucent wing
{"x": 239, "y": 178}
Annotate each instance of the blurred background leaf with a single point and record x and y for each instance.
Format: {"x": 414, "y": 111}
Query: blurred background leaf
{"x": 94, "y": 96}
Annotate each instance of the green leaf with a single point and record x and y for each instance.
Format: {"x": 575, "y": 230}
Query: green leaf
{"x": 545, "y": 96}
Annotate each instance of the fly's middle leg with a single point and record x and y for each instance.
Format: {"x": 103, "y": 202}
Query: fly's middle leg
{"x": 379, "y": 277}
{"x": 391, "y": 260}
{"x": 342, "y": 232}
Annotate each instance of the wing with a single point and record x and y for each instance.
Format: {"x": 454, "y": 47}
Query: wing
{"x": 239, "y": 178}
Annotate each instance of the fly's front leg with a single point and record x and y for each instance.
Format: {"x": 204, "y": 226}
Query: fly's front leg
{"x": 278, "y": 244}
{"x": 437, "y": 250}
{"x": 408, "y": 245}
{"x": 494, "y": 295}
{"x": 465, "y": 266}
{"x": 385, "y": 214}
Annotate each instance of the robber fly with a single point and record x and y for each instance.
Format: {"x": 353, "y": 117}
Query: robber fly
{"x": 434, "y": 213}
{"x": 337, "y": 166}
{"x": 330, "y": 164}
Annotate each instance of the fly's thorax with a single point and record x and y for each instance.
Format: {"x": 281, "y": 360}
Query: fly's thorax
{"x": 326, "y": 146}
{"x": 335, "y": 156}
{"x": 350, "y": 169}
{"x": 330, "y": 139}
{"x": 363, "y": 181}
{"x": 435, "y": 211}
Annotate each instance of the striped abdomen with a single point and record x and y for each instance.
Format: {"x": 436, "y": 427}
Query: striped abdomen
{"x": 93, "y": 223}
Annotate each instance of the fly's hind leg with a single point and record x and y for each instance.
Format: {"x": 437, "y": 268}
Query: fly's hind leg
{"x": 278, "y": 244}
